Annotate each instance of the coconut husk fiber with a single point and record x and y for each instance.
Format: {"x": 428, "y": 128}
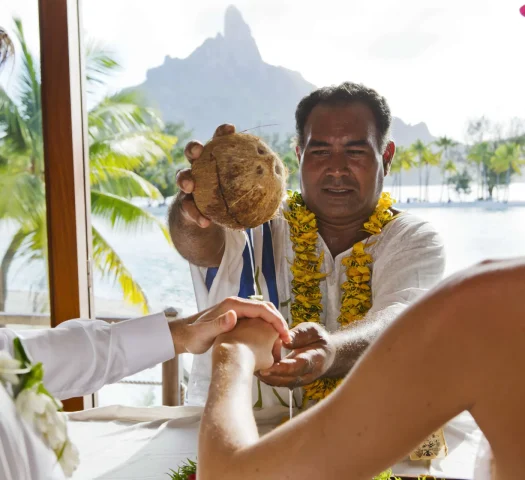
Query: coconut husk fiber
{"x": 239, "y": 181}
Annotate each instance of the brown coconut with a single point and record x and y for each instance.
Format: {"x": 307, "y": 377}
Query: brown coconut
{"x": 239, "y": 181}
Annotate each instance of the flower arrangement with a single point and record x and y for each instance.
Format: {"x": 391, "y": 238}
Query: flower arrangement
{"x": 24, "y": 381}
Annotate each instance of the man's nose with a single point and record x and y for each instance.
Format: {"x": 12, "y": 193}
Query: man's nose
{"x": 338, "y": 165}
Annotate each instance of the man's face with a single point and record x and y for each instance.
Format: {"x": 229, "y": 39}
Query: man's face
{"x": 342, "y": 169}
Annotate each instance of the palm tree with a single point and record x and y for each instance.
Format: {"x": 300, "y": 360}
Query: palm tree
{"x": 445, "y": 144}
{"x": 429, "y": 159}
{"x": 419, "y": 149}
{"x": 403, "y": 160}
{"x": 507, "y": 159}
{"x": 426, "y": 159}
{"x": 123, "y": 134}
{"x": 449, "y": 169}
{"x": 480, "y": 154}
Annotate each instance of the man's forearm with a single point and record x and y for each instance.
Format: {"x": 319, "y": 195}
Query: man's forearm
{"x": 203, "y": 247}
{"x": 352, "y": 341}
{"x": 227, "y": 423}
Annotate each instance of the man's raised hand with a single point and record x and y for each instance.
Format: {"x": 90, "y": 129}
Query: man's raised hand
{"x": 192, "y": 152}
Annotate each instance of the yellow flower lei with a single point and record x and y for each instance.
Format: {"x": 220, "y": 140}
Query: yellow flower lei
{"x": 306, "y": 269}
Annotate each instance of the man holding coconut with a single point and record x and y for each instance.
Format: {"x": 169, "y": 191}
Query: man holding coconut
{"x": 344, "y": 153}
{"x": 338, "y": 261}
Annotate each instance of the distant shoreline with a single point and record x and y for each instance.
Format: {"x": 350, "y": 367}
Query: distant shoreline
{"x": 485, "y": 204}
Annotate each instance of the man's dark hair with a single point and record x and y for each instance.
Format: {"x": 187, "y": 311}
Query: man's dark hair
{"x": 341, "y": 95}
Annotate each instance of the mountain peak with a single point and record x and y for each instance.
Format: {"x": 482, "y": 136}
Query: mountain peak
{"x": 234, "y": 24}
{"x": 225, "y": 80}
{"x": 238, "y": 37}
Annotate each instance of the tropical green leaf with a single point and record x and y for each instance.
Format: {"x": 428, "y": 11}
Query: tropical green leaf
{"x": 22, "y": 196}
{"x": 15, "y": 128}
{"x": 507, "y": 157}
{"x": 123, "y": 183}
{"x": 110, "y": 265}
{"x": 29, "y": 77}
{"x": 431, "y": 158}
{"x": 125, "y": 136}
{"x": 6, "y": 262}
{"x": 101, "y": 156}
{"x": 445, "y": 143}
{"x": 146, "y": 146}
{"x": 123, "y": 214}
{"x": 480, "y": 153}
{"x": 121, "y": 113}
{"x": 404, "y": 159}
{"x": 100, "y": 64}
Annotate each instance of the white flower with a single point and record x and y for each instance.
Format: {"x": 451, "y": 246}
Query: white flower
{"x": 40, "y": 410}
{"x": 29, "y": 404}
{"x": 69, "y": 459}
{"x": 9, "y": 368}
{"x": 36, "y": 406}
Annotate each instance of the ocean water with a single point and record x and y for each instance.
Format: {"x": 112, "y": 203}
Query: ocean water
{"x": 471, "y": 233}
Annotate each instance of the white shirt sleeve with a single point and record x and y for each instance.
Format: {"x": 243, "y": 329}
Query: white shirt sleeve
{"x": 410, "y": 260}
{"x": 81, "y": 356}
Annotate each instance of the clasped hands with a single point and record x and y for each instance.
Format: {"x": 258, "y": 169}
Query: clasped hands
{"x": 264, "y": 331}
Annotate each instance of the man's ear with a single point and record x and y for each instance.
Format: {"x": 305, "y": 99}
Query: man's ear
{"x": 388, "y": 156}
{"x": 298, "y": 153}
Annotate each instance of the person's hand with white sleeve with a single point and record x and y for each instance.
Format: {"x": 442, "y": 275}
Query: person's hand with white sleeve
{"x": 81, "y": 356}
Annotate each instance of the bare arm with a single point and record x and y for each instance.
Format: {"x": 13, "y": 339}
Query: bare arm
{"x": 396, "y": 283}
{"x": 202, "y": 246}
{"x": 351, "y": 342}
{"x": 360, "y": 430}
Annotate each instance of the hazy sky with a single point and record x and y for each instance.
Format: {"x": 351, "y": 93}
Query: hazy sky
{"x": 437, "y": 62}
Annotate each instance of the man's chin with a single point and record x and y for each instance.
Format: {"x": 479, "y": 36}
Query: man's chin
{"x": 339, "y": 212}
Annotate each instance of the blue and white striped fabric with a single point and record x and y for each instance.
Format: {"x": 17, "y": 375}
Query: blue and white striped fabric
{"x": 246, "y": 288}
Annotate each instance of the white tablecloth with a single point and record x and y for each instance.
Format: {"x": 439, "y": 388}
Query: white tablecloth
{"x": 128, "y": 443}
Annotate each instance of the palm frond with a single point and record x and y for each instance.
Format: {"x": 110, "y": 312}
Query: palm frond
{"x": 146, "y": 146}
{"x": 121, "y": 213}
{"x": 22, "y": 197}
{"x": 111, "y": 266}
{"x": 100, "y": 63}
{"x": 29, "y": 76}
{"x": 14, "y": 125}
{"x": 35, "y": 244}
{"x": 101, "y": 155}
{"x": 121, "y": 113}
{"x": 122, "y": 182}
{"x": 506, "y": 157}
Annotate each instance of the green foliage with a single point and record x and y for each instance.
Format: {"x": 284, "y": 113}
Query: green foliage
{"x": 125, "y": 136}
{"x": 184, "y": 471}
{"x": 162, "y": 172}
{"x": 285, "y": 148}
{"x": 33, "y": 375}
{"x": 386, "y": 475}
{"x": 461, "y": 182}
